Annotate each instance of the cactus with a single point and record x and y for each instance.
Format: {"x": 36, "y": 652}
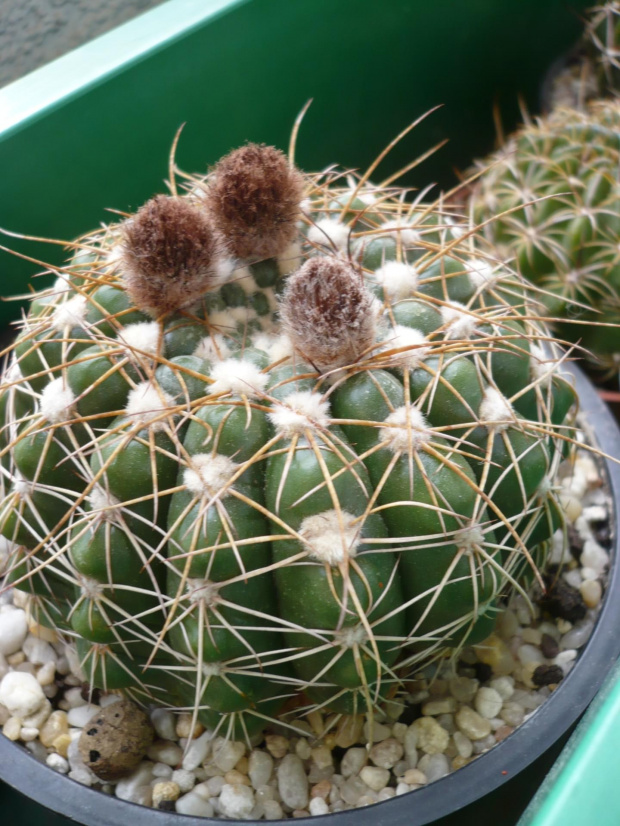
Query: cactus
{"x": 276, "y": 443}
{"x": 554, "y": 189}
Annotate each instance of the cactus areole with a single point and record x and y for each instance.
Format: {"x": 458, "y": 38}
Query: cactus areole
{"x": 274, "y": 444}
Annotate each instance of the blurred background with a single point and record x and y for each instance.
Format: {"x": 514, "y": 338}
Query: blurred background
{"x": 33, "y": 32}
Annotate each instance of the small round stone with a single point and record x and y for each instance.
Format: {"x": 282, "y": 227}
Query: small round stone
{"x": 472, "y": 724}
{"x": 591, "y": 592}
{"x": 431, "y": 737}
{"x": 13, "y": 631}
{"x": 386, "y": 754}
{"x": 236, "y": 802}
{"x": 260, "y": 768}
{"x": 488, "y": 702}
{"x": 115, "y": 740}
{"x": 375, "y": 778}
{"x": 318, "y": 806}
{"x": 21, "y": 694}
{"x": 165, "y": 790}
{"x": 353, "y": 761}
{"x": 293, "y": 782}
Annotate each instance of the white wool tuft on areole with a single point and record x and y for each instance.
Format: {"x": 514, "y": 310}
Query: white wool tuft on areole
{"x": 244, "y": 278}
{"x": 290, "y": 259}
{"x": 223, "y": 320}
{"x": 468, "y": 538}
{"x": 299, "y": 411}
{"x": 542, "y": 367}
{"x": 202, "y": 590}
{"x": 208, "y": 473}
{"x": 212, "y": 348}
{"x": 146, "y": 403}
{"x": 405, "y": 429}
{"x": 414, "y": 340}
{"x": 398, "y": 279}
{"x": 243, "y": 378}
{"x": 328, "y": 232}
{"x": 56, "y": 402}
{"x": 495, "y": 410}
{"x": 223, "y": 269}
{"x": 331, "y": 536}
{"x": 242, "y": 314}
{"x": 407, "y": 233}
{"x": 103, "y": 501}
{"x": 143, "y": 336}
{"x": 61, "y": 285}
{"x": 481, "y": 273}
{"x": 71, "y": 313}
{"x": 460, "y": 322}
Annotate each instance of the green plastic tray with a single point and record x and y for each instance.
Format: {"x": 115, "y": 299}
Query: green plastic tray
{"x": 94, "y": 128}
{"x": 582, "y": 786}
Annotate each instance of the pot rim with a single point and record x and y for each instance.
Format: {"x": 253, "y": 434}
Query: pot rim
{"x": 20, "y": 769}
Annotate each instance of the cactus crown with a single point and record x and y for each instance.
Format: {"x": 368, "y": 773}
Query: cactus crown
{"x": 292, "y": 491}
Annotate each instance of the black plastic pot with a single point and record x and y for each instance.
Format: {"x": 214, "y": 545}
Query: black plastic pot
{"x": 494, "y": 788}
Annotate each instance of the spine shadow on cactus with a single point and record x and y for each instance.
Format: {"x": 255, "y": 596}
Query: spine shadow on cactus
{"x": 290, "y": 491}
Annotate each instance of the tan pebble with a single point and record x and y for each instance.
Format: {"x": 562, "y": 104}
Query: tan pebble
{"x": 235, "y": 778}
{"x": 438, "y": 688}
{"x": 12, "y": 728}
{"x": 276, "y": 745}
{"x": 322, "y": 757}
{"x": 184, "y": 727}
{"x": 329, "y": 741}
{"x": 321, "y": 789}
{"x": 350, "y": 730}
{"x": 503, "y": 732}
{"x": 526, "y": 672}
{"x": 591, "y": 592}
{"x": 61, "y": 744}
{"x": 41, "y": 631}
{"x": 315, "y": 718}
{"x": 414, "y": 776}
{"x": 431, "y": 737}
{"x": 444, "y": 705}
{"x": 300, "y": 813}
{"x": 472, "y": 724}
{"x": 303, "y": 749}
{"x": 494, "y": 652}
{"x": 533, "y": 636}
{"x": 458, "y": 762}
{"x": 165, "y": 790}
{"x": 55, "y": 725}
{"x": 571, "y": 506}
{"x": 115, "y": 740}
{"x": 16, "y": 659}
{"x": 243, "y": 765}
{"x": 46, "y": 675}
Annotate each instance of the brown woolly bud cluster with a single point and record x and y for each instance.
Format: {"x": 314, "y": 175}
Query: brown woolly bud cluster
{"x": 167, "y": 255}
{"x": 254, "y": 198}
{"x": 328, "y": 313}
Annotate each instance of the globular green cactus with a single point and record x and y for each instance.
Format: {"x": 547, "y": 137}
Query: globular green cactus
{"x": 281, "y": 435}
{"x": 555, "y": 191}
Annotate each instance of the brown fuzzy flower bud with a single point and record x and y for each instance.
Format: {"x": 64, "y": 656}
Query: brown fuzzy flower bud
{"x": 254, "y": 198}
{"x": 167, "y": 255}
{"x": 328, "y": 313}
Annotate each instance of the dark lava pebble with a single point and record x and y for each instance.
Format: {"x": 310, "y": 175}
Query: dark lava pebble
{"x": 547, "y": 675}
{"x": 115, "y": 740}
{"x": 562, "y": 600}
{"x": 549, "y": 647}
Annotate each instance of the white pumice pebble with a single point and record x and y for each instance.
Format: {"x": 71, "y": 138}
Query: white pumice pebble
{"x": 21, "y": 694}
